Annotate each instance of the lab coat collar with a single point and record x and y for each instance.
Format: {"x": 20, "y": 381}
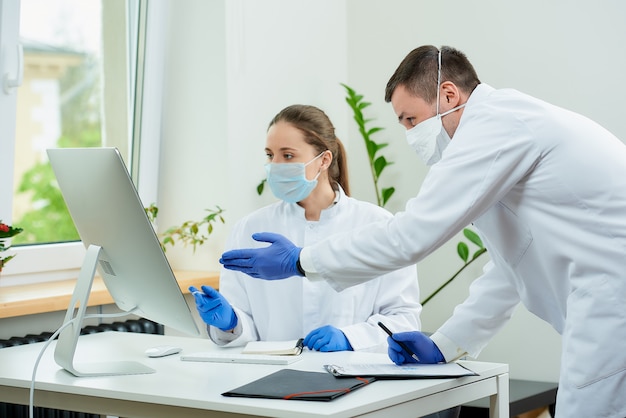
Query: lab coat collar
{"x": 480, "y": 92}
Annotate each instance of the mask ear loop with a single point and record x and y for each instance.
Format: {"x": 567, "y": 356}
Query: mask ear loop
{"x": 327, "y": 168}
{"x": 320, "y": 170}
{"x": 438, "y": 78}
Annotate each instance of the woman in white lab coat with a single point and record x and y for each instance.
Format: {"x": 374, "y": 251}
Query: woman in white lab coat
{"x": 312, "y": 208}
{"x": 545, "y": 188}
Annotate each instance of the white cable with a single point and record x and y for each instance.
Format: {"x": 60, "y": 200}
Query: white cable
{"x": 31, "y": 398}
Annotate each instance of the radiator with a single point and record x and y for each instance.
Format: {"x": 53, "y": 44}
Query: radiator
{"x": 8, "y": 410}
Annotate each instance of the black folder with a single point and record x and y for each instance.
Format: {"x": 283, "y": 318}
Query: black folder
{"x": 300, "y": 385}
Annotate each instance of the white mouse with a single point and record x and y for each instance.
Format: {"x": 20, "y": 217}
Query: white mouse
{"x": 162, "y": 350}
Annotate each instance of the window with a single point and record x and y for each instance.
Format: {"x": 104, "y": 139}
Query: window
{"x": 83, "y": 73}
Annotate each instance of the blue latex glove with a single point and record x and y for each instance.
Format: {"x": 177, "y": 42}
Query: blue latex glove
{"x": 213, "y": 308}
{"x": 327, "y": 338}
{"x": 277, "y": 261}
{"x": 426, "y": 350}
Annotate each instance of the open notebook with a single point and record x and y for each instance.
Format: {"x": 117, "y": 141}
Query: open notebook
{"x": 282, "y": 348}
{"x": 237, "y": 357}
{"x": 259, "y": 352}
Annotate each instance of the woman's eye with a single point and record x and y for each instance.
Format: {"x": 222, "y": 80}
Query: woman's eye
{"x": 269, "y": 156}
{"x": 288, "y": 156}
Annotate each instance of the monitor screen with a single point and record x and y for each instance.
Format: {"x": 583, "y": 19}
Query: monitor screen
{"x": 115, "y": 229}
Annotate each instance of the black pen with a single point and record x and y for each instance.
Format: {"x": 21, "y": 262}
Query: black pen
{"x": 400, "y": 343}
{"x": 300, "y": 345}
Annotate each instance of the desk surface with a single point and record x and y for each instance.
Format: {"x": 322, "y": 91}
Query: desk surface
{"x": 190, "y": 389}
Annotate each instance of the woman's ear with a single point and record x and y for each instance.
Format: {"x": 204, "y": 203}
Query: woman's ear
{"x": 327, "y": 159}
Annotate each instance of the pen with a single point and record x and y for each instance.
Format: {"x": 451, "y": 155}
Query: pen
{"x": 400, "y": 343}
{"x": 300, "y": 345}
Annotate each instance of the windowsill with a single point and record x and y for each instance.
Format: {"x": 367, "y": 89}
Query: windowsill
{"x": 55, "y": 296}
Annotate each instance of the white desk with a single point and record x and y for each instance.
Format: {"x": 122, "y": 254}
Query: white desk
{"x": 192, "y": 389}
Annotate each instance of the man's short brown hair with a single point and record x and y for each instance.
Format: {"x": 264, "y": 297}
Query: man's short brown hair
{"x": 418, "y": 72}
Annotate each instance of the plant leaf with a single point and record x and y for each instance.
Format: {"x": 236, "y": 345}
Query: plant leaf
{"x": 473, "y": 237}
{"x": 260, "y": 187}
{"x": 381, "y": 146}
{"x": 478, "y": 253}
{"x": 372, "y": 148}
{"x": 374, "y": 130}
{"x": 348, "y": 89}
{"x": 463, "y": 250}
{"x": 379, "y": 165}
{"x": 386, "y": 193}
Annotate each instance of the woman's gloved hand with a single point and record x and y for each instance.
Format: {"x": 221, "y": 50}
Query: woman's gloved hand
{"x": 327, "y": 338}
{"x": 213, "y": 308}
{"x": 425, "y": 349}
{"x": 275, "y": 262}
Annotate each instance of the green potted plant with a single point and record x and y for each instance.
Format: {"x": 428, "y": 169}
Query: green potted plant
{"x": 6, "y": 233}
{"x": 192, "y": 233}
{"x": 377, "y": 161}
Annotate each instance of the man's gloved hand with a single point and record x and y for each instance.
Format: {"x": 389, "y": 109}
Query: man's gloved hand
{"x": 425, "y": 349}
{"x": 327, "y": 338}
{"x": 277, "y": 261}
{"x": 214, "y": 309}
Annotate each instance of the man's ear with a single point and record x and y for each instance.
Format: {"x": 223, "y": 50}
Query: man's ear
{"x": 451, "y": 93}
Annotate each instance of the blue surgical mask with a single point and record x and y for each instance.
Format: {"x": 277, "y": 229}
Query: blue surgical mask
{"x": 288, "y": 180}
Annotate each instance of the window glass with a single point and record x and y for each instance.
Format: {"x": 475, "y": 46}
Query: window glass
{"x": 83, "y": 66}
{"x": 58, "y": 105}
{"x": 69, "y": 58}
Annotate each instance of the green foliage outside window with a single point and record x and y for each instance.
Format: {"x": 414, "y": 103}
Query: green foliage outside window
{"x": 48, "y": 219}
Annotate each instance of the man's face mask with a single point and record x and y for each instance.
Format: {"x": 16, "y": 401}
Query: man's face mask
{"x": 288, "y": 181}
{"x": 428, "y": 138}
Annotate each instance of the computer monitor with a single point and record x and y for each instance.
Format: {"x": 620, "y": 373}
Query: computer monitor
{"x": 121, "y": 244}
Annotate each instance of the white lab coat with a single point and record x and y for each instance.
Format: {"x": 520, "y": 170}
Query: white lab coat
{"x": 546, "y": 189}
{"x": 291, "y": 308}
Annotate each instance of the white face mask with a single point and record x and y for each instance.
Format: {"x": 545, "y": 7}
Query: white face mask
{"x": 429, "y": 138}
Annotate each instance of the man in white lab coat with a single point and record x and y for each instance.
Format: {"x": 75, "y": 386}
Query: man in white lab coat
{"x": 546, "y": 189}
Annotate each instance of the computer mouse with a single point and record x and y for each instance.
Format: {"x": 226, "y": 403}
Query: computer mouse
{"x": 162, "y": 351}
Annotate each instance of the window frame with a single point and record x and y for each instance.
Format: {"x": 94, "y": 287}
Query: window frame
{"x": 61, "y": 261}
{"x": 9, "y": 35}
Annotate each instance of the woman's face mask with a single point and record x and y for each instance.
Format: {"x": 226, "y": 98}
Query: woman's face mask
{"x": 428, "y": 138}
{"x": 288, "y": 181}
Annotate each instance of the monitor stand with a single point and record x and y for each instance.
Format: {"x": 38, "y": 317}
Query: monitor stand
{"x": 68, "y": 338}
